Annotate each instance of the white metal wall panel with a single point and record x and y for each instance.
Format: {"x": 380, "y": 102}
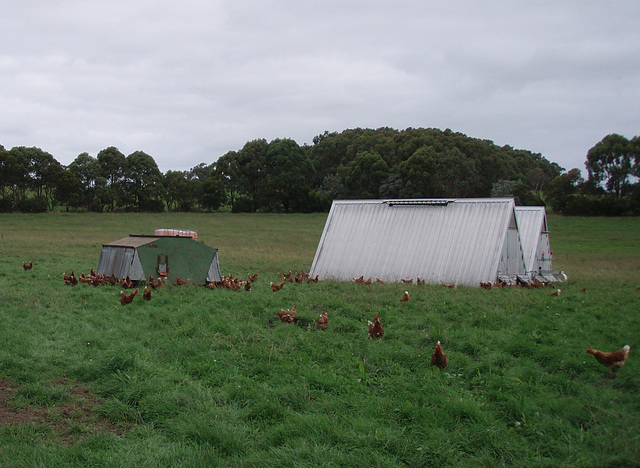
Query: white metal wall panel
{"x": 456, "y": 242}
{"x": 532, "y": 224}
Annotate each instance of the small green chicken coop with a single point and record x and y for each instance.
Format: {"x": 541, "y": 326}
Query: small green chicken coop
{"x": 170, "y": 253}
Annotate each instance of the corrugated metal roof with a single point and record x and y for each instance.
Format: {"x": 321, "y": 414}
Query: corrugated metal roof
{"x": 132, "y": 241}
{"x": 441, "y": 241}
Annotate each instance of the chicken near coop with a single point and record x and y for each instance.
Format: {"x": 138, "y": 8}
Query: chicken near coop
{"x": 375, "y": 328}
{"x": 555, "y": 293}
{"x": 180, "y": 281}
{"x": 276, "y": 287}
{"x": 127, "y": 298}
{"x": 405, "y": 298}
{"x": 146, "y": 294}
{"x": 70, "y": 279}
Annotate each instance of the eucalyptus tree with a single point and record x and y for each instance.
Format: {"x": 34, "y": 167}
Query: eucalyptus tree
{"x": 112, "y": 163}
{"x": 612, "y": 162}
{"x": 289, "y": 173}
{"x": 144, "y": 183}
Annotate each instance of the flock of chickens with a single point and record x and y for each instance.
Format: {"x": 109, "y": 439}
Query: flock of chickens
{"x": 612, "y": 360}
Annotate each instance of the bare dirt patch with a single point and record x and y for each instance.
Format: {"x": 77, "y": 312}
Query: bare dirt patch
{"x": 71, "y": 421}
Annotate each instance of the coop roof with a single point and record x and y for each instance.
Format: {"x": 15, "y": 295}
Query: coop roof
{"x": 132, "y": 241}
{"x": 438, "y": 240}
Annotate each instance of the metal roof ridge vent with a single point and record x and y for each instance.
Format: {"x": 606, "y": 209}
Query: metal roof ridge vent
{"x": 420, "y": 202}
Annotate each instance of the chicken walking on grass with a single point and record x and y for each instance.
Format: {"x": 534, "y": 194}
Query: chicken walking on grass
{"x": 27, "y": 266}
{"x": 614, "y": 360}
{"x": 146, "y": 294}
{"x": 127, "y": 298}
{"x": 405, "y": 298}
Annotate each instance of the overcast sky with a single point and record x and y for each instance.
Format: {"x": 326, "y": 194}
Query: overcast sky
{"x": 187, "y": 81}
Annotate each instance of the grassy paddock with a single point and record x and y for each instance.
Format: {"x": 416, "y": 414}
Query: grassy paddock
{"x": 199, "y": 377}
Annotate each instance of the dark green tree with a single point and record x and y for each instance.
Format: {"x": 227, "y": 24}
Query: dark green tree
{"x": 289, "y": 173}
{"x": 87, "y": 169}
{"x": 365, "y": 174}
{"x": 612, "y": 161}
{"x": 112, "y": 165}
{"x": 144, "y": 183}
{"x": 562, "y": 188}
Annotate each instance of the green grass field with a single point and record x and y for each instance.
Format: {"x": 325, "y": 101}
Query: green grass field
{"x": 200, "y": 377}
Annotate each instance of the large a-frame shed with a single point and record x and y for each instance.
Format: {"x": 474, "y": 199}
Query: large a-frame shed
{"x": 534, "y": 235}
{"x": 139, "y": 256}
{"x": 461, "y": 241}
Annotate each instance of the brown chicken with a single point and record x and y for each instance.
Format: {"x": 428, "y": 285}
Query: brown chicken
{"x": 27, "y": 266}
{"x": 180, "y": 281}
{"x": 126, "y": 283}
{"x": 323, "y": 321}
{"x": 614, "y": 360}
{"x": 375, "y": 328}
{"x": 70, "y": 279}
{"x": 146, "y": 294}
{"x": 276, "y": 287}
{"x": 288, "y": 315}
{"x": 555, "y": 293}
{"x": 127, "y": 298}
{"x": 486, "y": 285}
{"x": 439, "y": 358}
{"x": 405, "y": 298}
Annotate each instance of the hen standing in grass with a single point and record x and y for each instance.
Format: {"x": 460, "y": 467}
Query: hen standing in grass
{"x": 375, "y": 328}
{"x": 146, "y": 294}
{"x": 127, "y": 298}
{"x": 405, "y": 298}
{"x": 614, "y": 360}
{"x": 439, "y": 358}
{"x": 323, "y": 321}
{"x": 27, "y": 266}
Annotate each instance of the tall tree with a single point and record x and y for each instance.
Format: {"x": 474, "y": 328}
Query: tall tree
{"x": 87, "y": 169}
{"x": 289, "y": 173}
{"x": 250, "y": 172}
{"x": 143, "y": 179}
{"x": 112, "y": 164}
{"x": 365, "y": 174}
{"x": 612, "y": 162}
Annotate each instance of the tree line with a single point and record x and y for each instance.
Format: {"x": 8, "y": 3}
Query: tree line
{"x": 283, "y": 176}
